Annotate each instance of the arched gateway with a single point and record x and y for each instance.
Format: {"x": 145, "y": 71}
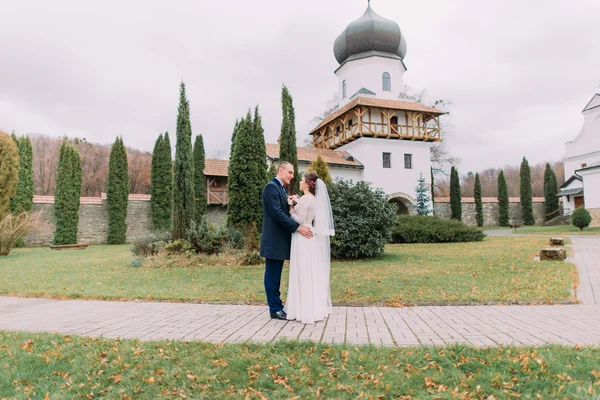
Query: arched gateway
{"x": 404, "y": 202}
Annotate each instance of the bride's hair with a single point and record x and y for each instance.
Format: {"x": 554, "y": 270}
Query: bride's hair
{"x": 311, "y": 180}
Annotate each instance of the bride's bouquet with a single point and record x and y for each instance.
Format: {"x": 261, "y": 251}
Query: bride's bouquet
{"x": 293, "y": 200}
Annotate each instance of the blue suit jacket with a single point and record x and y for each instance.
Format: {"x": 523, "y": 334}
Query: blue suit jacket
{"x": 278, "y": 226}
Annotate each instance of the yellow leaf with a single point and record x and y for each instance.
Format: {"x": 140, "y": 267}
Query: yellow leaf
{"x": 116, "y": 378}
{"x": 191, "y": 378}
{"x": 149, "y": 380}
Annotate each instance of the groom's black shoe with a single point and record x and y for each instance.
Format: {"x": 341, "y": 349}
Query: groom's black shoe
{"x": 279, "y": 315}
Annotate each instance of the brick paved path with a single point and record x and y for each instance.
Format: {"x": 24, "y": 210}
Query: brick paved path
{"x": 477, "y": 325}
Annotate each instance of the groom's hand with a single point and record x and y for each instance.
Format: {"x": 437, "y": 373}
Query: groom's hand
{"x": 305, "y": 231}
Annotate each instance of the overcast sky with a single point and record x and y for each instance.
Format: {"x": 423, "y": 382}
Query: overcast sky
{"x": 518, "y": 73}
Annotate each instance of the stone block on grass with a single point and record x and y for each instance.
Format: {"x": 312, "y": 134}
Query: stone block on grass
{"x": 552, "y": 254}
{"x": 557, "y": 241}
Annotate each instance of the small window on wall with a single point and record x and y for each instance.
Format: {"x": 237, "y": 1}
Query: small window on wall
{"x": 408, "y": 161}
{"x": 387, "y": 160}
{"x": 387, "y": 81}
{"x": 344, "y": 89}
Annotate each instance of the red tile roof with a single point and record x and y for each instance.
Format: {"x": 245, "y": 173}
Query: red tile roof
{"x": 216, "y": 167}
{"x": 310, "y": 154}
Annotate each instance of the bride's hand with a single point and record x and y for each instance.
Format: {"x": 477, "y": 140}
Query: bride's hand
{"x": 291, "y": 210}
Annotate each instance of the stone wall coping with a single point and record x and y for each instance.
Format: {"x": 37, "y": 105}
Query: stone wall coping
{"x": 487, "y": 200}
{"x": 37, "y": 199}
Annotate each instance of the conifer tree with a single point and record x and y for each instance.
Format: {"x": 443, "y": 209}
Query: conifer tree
{"x": 67, "y": 194}
{"x": 162, "y": 184}
{"x": 260, "y": 154}
{"x": 247, "y": 175}
{"x": 478, "y": 201}
{"x": 199, "y": 179}
{"x": 432, "y": 191}
{"x": 503, "y": 212}
{"x": 117, "y": 194}
{"x": 550, "y": 193}
{"x": 9, "y": 172}
{"x": 320, "y": 167}
{"x": 422, "y": 192}
{"x": 272, "y": 173}
{"x": 23, "y": 199}
{"x": 288, "y": 150}
{"x": 526, "y": 195}
{"x": 183, "y": 177}
{"x": 455, "y": 196}
{"x": 154, "y": 180}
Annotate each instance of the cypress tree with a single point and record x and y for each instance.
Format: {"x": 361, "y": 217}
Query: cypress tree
{"x": 260, "y": 153}
{"x": 287, "y": 145}
{"x": 550, "y": 192}
{"x": 183, "y": 177}
{"x": 455, "y": 196}
{"x": 199, "y": 179}
{"x": 503, "y": 212}
{"x": 320, "y": 167}
{"x": 526, "y": 195}
{"x": 67, "y": 194}
{"x": 117, "y": 194}
{"x": 154, "y": 176}
{"x": 272, "y": 173}
{"x": 23, "y": 200}
{"x": 432, "y": 191}
{"x": 478, "y": 202}
{"x": 9, "y": 172}
{"x": 246, "y": 178}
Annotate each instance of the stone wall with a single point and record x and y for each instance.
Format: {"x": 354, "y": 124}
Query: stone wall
{"x": 490, "y": 211}
{"x": 595, "y": 213}
{"x": 93, "y": 222}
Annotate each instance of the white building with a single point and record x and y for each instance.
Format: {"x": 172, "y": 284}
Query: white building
{"x": 582, "y": 165}
{"x": 375, "y": 123}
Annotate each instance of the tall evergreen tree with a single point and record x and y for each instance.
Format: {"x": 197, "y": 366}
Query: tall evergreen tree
{"x": 117, "y": 194}
{"x": 67, "y": 194}
{"x": 432, "y": 191}
{"x": 478, "y": 201}
{"x": 503, "y": 211}
{"x": 183, "y": 177}
{"x": 23, "y": 199}
{"x": 288, "y": 150}
{"x": 9, "y": 172}
{"x": 162, "y": 184}
{"x": 455, "y": 196}
{"x": 422, "y": 197}
{"x": 272, "y": 173}
{"x": 247, "y": 175}
{"x": 526, "y": 195}
{"x": 550, "y": 193}
{"x": 199, "y": 179}
{"x": 320, "y": 167}
{"x": 154, "y": 176}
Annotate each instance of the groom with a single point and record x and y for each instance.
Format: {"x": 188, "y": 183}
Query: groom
{"x": 276, "y": 238}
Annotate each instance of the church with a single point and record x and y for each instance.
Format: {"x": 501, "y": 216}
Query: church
{"x": 377, "y": 133}
{"x": 582, "y": 165}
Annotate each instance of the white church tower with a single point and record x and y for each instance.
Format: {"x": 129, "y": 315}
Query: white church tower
{"x": 375, "y": 122}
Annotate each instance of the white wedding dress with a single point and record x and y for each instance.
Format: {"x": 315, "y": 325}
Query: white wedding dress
{"x": 309, "y": 298}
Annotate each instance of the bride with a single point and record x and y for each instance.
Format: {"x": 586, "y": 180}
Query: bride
{"x": 309, "y": 298}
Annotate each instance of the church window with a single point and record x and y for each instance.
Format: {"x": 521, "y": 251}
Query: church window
{"x": 408, "y": 161}
{"x": 344, "y": 89}
{"x": 387, "y": 81}
{"x": 387, "y": 160}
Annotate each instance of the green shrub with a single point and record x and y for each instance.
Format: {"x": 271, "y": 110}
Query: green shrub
{"x": 581, "y": 218}
{"x": 235, "y": 238}
{"x": 150, "y": 245}
{"x": 363, "y": 220}
{"x": 179, "y": 246}
{"x": 206, "y": 238}
{"x": 251, "y": 258}
{"x": 423, "y": 229}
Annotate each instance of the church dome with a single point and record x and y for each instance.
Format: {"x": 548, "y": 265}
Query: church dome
{"x": 370, "y": 33}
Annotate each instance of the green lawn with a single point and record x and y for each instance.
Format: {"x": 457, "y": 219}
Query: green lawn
{"x": 40, "y": 366}
{"x": 556, "y": 230}
{"x": 499, "y": 269}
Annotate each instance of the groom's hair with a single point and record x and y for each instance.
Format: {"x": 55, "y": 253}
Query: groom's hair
{"x": 283, "y": 164}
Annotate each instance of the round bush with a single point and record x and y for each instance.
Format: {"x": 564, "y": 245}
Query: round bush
{"x": 363, "y": 220}
{"x": 424, "y": 229}
{"x": 581, "y": 218}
